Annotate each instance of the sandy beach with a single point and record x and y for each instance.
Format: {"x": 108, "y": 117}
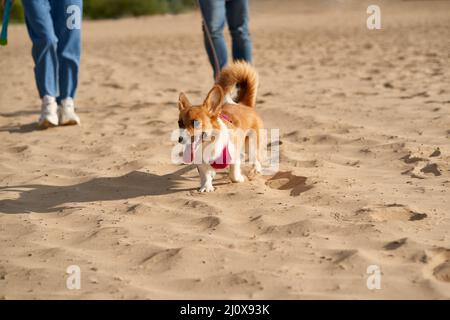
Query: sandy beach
{"x": 364, "y": 163}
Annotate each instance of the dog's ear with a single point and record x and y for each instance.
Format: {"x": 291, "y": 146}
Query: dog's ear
{"x": 214, "y": 100}
{"x": 183, "y": 102}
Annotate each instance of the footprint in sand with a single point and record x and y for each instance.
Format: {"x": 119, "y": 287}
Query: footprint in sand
{"x": 343, "y": 255}
{"x": 200, "y": 207}
{"x": 431, "y": 168}
{"x": 297, "y": 229}
{"x": 423, "y": 167}
{"x": 18, "y": 149}
{"x": 207, "y": 223}
{"x": 344, "y": 259}
{"x": 442, "y": 271}
{"x": 288, "y": 181}
{"x": 390, "y": 212}
{"x": 245, "y": 280}
{"x": 104, "y": 237}
{"x": 162, "y": 260}
{"x": 393, "y": 245}
{"x": 436, "y": 153}
{"x": 438, "y": 264}
{"x": 138, "y": 209}
{"x": 423, "y": 170}
{"x": 113, "y": 85}
{"x": 411, "y": 158}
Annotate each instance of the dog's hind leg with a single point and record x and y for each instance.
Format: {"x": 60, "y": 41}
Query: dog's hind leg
{"x": 254, "y": 150}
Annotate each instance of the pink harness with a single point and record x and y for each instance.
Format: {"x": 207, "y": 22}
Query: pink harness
{"x": 221, "y": 162}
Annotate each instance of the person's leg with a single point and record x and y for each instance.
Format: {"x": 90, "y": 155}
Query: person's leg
{"x": 67, "y": 16}
{"x": 213, "y": 12}
{"x": 237, "y": 18}
{"x": 40, "y": 28}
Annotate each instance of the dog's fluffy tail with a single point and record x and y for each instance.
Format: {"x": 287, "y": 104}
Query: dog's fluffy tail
{"x": 243, "y": 74}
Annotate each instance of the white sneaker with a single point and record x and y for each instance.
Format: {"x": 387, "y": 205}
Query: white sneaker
{"x": 67, "y": 115}
{"x": 49, "y": 114}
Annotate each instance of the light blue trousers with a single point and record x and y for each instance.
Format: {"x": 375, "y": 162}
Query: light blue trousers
{"x": 54, "y": 27}
{"x": 236, "y": 14}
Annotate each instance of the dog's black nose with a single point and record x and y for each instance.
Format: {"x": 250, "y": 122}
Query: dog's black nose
{"x": 180, "y": 139}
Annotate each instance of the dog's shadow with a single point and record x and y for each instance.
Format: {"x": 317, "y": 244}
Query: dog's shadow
{"x": 47, "y": 198}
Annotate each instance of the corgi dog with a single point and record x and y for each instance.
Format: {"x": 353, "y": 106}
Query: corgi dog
{"x": 216, "y": 132}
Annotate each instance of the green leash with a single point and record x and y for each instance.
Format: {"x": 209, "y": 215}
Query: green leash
{"x": 4, "y": 33}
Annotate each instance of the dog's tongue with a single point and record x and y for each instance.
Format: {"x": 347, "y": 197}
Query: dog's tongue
{"x": 188, "y": 154}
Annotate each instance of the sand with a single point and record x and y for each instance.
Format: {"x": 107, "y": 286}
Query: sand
{"x": 364, "y": 174}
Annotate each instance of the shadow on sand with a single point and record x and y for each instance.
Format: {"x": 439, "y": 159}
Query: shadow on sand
{"x": 46, "y": 198}
{"x": 24, "y": 128}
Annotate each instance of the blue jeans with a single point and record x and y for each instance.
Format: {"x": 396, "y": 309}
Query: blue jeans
{"x": 235, "y": 13}
{"x": 54, "y": 27}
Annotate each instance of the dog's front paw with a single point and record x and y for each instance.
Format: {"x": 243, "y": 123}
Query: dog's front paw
{"x": 206, "y": 188}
